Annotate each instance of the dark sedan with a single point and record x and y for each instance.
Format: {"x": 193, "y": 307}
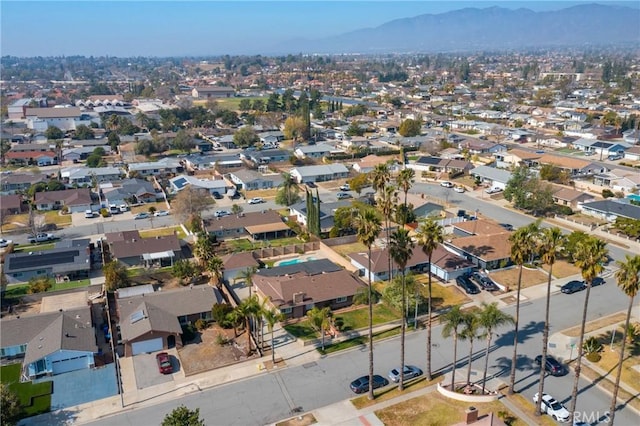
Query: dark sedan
{"x": 552, "y": 365}
{"x": 483, "y": 281}
{"x": 361, "y": 384}
{"x": 467, "y": 285}
{"x": 573, "y": 286}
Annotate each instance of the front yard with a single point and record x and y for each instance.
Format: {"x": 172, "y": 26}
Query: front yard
{"x": 35, "y": 398}
{"x": 162, "y": 232}
{"x": 509, "y": 277}
{"x": 19, "y": 221}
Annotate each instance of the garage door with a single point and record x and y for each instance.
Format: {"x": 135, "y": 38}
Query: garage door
{"x": 66, "y": 365}
{"x": 145, "y": 346}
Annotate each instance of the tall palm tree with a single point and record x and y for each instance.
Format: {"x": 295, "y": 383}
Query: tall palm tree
{"x": 203, "y": 248}
{"x": 386, "y": 205}
{"x": 628, "y": 277}
{"x": 551, "y": 244}
{"x": 401, "y": 249}
{"x": 405, "y": 181}
{"x": 470, "y": 333}
{"x": 380, "y": 177}
{"x": 490, "y": 318}
{"x": 452, "y": 320}
{"x": 368, "y": 225}
{"x": 430, "y": 235}
{"x": 243, "y": 313}
{"x": 319, "y": 319}
{"x": 289, "y": 186}
{"x": 216, "y": 267}
{"x": 246, "y": 275}
{"x": 590, "y": 255}
{"x": 523, "y": 245}
{"x": 272, "y": 317}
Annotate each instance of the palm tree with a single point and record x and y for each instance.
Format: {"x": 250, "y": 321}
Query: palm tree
{"x": 590, "y": 255}
{"x": 490, "y": 318}
{"x": 143, "y": 120}
{"x": 380, "y": 177}
{"x": 452, "y": 320}
{"x": 430, "y": 235}
{"x": 288, "y": 185}
{"x": 386, "y": 204}
{"x": 523, "y": 244}
{"x": 216, "y": 267}
{"x": 368, "y": 225}
{"x": 272, "y": 317}
{"x": 401, "y": 249}
{"x": 405, "y": 180}
{"x": 628, "y": 277}
{"x": 470, "y": 333}
{"x": 246, "y": 275}
{"x": 203, "y": 248}
{"x": 319, "y": 319}
{"x": 243, "y": 313}
{"x": 551, "y": 244}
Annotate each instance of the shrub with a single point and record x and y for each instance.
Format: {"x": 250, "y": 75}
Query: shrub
{"x": 201, "y": 324}
{"x": 592, "y": 345}
{"x": 593, "y": 356}
{"x": 219, "y": 313}
{"x": 221, "y": 339}
{"x": 104, "y": 212}
{"x": 188, "y": 332}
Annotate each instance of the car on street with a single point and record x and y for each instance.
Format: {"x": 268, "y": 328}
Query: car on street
{"x": 484, "y": 282}
{"x": 361, "y": 384}
{"x": 160, "y": 213}
{"x": 614, "y": 157}
{"x": 459, "y": 189}
{"x": 573, "y": 286}
{"x": 493, "y": 190}
{"x": 466, "y": 284}
{"x": 446, "y": 184}
{"x": 311, "y": 184}
{"x": 552, "y": 407}
{"x": 409, "y": 372}
{"x": 88, "y": 214}
{"x": 507, "y": 226}
{"x": 551, "y": 365}
{"x": 164, "y": 363}
{"x": 141, "y": 215}
{"x": 222, "y": 213}
{"x": 343, "y": 195}
{"x": 41, "y": 238}
{"x": 597, "y": 281}
{"x": 345, "y": 187}
{"x": 256, "y": 200}
{"x": 5, "y": 243}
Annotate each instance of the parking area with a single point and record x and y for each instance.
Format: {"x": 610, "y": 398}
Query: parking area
{"x": 147, "y": 372}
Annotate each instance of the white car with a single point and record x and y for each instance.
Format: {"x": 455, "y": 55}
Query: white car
{"x": 222, "y": 213}
{"x": 447, "y": 184}
{"x": 41, "y": 238}
{"x": 161, "y": 213}
{"x": 343, "y": 195}
{"x": 552, "y": 407}
{"x": 5, "y": 243}
{"x": 345, "y": 187}
{"x": 459, "y": 189}
{"x": 492, "y": 190}
{"x": 256, "y": 200}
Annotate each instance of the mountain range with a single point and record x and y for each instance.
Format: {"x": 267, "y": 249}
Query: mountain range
{"x": 493, "y": 28}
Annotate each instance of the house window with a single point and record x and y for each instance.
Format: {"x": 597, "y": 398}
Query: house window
{"x": 182, "y": 319}
{"x": 341, "y": 299}
{"x": 41, "y": 271}
{"x": 285, "y": 310}
{"x": 308, "y": 307}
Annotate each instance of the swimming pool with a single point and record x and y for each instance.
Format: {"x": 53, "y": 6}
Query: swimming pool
{"x": 295, "y": 261}
{"x": 634, "y": 197}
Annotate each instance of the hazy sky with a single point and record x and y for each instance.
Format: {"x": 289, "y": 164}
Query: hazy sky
{"x": 189, "y": 28}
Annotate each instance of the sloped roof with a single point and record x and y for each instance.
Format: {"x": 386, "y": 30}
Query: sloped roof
{"x": 69, "y": 197}
{"x": 240, "y": 260}
{"x": 480, "y": 227}
{"x": 121, "y": 249}
{"x": 485, "y": 247}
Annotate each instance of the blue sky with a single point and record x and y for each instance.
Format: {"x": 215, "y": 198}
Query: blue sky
{"x": 206, "y": 27}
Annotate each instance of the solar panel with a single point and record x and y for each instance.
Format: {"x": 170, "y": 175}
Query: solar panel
{"x": 179, "y": 183}
{"x": 137, "y": 316}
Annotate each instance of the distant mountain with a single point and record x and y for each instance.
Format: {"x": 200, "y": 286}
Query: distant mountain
{"x": 494, "y": 28}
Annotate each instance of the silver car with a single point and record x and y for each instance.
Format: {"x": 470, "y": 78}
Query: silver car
{"x": 409, "y": 372}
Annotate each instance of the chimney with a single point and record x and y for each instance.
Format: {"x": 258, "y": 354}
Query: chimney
{"x": 298, "y": 298}
{"x": 471, "y": 415}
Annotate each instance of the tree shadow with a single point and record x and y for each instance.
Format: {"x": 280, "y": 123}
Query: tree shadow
{"x": 524, "y": 333}
{"x": 503, "y": 363}
{"x": 478, "y": 250}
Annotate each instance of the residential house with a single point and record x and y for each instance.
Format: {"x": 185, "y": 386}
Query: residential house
{"x": 11, "y": 204}
{"x": 20, "y": 182}
{"x": 573, "y": 198}
{"x": 33, "y": 147}
{"x": 211, "y": 162}
{"x": 65, "y": 119}
{"x": 632, "y": 153}
{"x": 327, "y": 212}
{"x": 314, "y": 285}
{"x": 163, "y": 167}
{"x": 575, "y": 167}
{"x": 515, "y": 158}
{"x": 29, "y": 158}
{"x": 479, "y": 146}
{"x": 321, "y": 173}
{"x": 129, "y": 248}
{"x": 271, "y": 138}
{"x": 368, "y": 163}
{"x": 496, "y": 178}
{"x": 180, "y": 182}
{"x": 355, "y": 142}
{"x": 82, "y": 153}
{"x": 477, "y": 227}
{"x": 266, "y": 156}
{"x": 153, "y": 321}
{"x": 250, "y": 180}
{"x": 76, "y": 200}
{"x": 18, "y": 108}
{"x": 423, "y": 208}
{"x": 611, "y": 209}
{"x": 317, "y": 151}
{"x": 213, "y": 92}
{"x": 129, "y": 190}
{"x": 486, "y": 251}
{"x": 86, "y": 175}
{"x": 204, "y": 146}
{"x": 441, "y": 165}
{"x": 68, "y": 258}
{"x": 264, "y": 225}
{"x": 237, "y": 263}
{"x": 226, "y": 141}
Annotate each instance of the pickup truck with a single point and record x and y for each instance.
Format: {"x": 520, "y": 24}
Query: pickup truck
{"x": 40, "y": 238}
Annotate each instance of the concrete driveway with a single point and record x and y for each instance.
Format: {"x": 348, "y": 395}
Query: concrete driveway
{"x": 147, "y": 373}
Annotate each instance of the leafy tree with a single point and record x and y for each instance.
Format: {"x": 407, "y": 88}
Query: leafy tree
{"x": 573, "y": 239}
{"x": 115, "y": 276}
{"x": 53, "y": 132}
{"x": 258, "y": 105}
{"x": 410, "y": 127}
{"x": 236, "y": 209}
{"x": 185, "y": 269}
{"x": 220, "y": 313}
{"x": 244, "y": 105}
{"x": 39, "y": 285}
{"x": 405, "y": 214}
{"x": 191, "y": 202}
{"x": 183, "y": 141}
{"x": 245, "y": 137}
{"x": 145, "y": 147}
{"x": 95, "y": 160}
{"x": 83, "y": 132}
{"x": 294, "y": 128}
{"x": 10, "y": 407}
{"x": 230, "y": 118}
{"x": 355, "y": 129}
{"x": 5, "y": 146}
{"x": 182, "y": 416}
{"x": 359, "y": 182}
{"x": 354, "y": 110}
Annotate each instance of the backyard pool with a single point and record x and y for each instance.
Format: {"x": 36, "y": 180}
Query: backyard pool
{"x": 634, "y": 197}
{"x": 295, "y": 261}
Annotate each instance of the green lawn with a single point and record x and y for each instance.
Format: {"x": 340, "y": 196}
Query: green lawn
{"x": 302, "y": 330}
{"x": 33, "y": 247}
{"x": 35, "y": 398}
{"x": 70, "y": 284}
{"x": 232, "y": 103}
{"x": 17, "y": 291}
{"x": 244, "y": 244}
{"x": 340, "y": 346}
{"x": 359, "y": 318}
{"x": 162, "y": 232}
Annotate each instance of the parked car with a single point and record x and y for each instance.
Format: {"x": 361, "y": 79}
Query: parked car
{"x": 459, "y": 189}
{"x": 597, "y": 281}
{"x": 222, "y": 213}
{"x": 5, "y": 243}
{"x": 493, "y": 190}
{"x": 573, "y": 286}
{"x": 161, "y": 213}
{"x": 551, "y": 365}
{"x": 164, "y": 363}
{"x": 467, "y": 285}
{"x": 41, "y": 238}
{"x": 552, "y": 407}
{"x": 507, "y": 226}
{"x": 589, "y": 153}
{"x": 88, "y": 214}
{"x": 256, "y": 200}
{"x": 483, "y": 281}
{"x": 361, "y": 384}
{"x": 345, "y": 187}
{"x": 409, "y": 372}
{"x": 343, "y": 195}
{"x": 446, "y": 184}
{"x": 142, "y": 215}
{"x": 216, "y": 195}
{"x": 310, "y": 184}
{"x": 614, "y": 157}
